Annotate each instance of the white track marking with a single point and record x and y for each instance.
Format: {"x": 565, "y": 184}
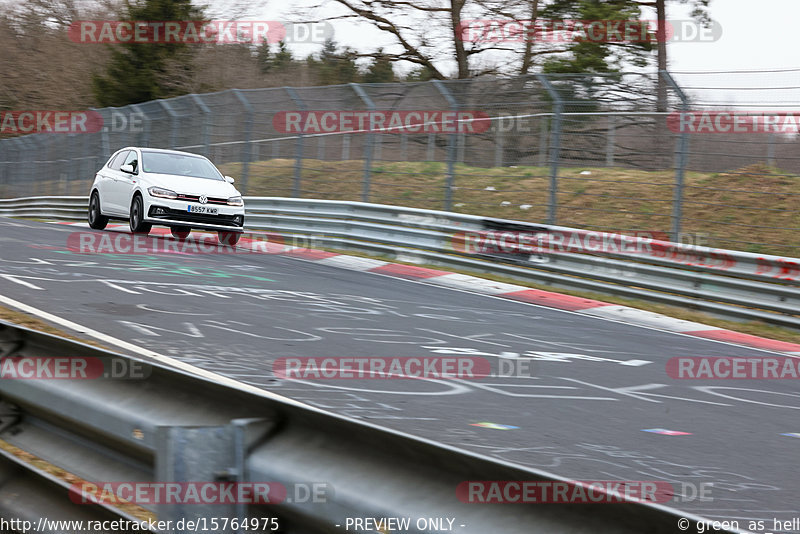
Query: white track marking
{"x": 20, "y": 282}
{"x": 109, "y": 284}
{"x": 220, "y": 379}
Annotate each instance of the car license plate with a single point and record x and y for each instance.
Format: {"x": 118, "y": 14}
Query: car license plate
{"x": 203, "y": 209}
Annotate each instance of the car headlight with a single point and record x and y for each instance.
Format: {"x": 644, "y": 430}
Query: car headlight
{"x": 162, "y": 193}
{"x": 235, "y": 201}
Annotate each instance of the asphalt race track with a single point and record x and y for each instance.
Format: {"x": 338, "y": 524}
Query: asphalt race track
{"x": 595, "y": 385}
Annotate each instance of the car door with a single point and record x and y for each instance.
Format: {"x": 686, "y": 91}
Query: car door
{"x": 126, "y": 181}
{"x": 107, "y": 186}
{"x": 114, "y": 201}
{"x": 103, "y": 181}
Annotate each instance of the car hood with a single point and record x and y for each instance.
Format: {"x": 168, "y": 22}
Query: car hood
{"x": 192, "y": 186}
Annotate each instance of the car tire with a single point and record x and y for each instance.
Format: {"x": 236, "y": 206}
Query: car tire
{"x": 180, "y": 232}
{"x": 228, "y": 238}
{"x": 138, "y": 226}
{"x": 97, "y": 221}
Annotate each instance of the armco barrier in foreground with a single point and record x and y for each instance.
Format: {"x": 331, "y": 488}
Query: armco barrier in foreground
{"x": 173, "y": 427}
{"x": 733, "y": 284}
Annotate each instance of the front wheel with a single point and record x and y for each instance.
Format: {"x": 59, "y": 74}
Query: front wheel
{"x": 180, "y": 232}
{"x": 97, "y": 221}
{"x": 138, "y": 226}
{"x": 228, "y": 238}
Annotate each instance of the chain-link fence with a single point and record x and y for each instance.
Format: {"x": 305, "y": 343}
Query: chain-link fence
{"x": 590, "y": 151}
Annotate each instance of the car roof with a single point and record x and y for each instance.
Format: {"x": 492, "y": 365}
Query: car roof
{"x": 162, "y": 151}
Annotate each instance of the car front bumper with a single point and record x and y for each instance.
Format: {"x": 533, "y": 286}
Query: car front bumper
{"x": 176, "y": 213}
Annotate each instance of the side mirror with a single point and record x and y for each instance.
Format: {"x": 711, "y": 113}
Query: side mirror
{"x": 229, "y": 179}
{"x": 127, "y": 168}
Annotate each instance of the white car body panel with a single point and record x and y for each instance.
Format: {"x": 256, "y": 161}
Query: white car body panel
{"x": 117, "y": 189}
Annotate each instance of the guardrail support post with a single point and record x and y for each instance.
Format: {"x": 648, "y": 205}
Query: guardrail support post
{"x": 555, "y": 147}
{"x": 298, "y": 156}
{"x": 248, "y": 133}
{"x": 213, "y": 454}
{"x": 196, "y": 454}
{"x": 451, "y": 147}
{"x": 681, "y": 160}
{"x": 369, "y": 145}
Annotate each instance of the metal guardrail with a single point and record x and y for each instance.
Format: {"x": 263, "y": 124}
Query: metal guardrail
{"x": 171, "y": 426}
{"x": 737, "y": 285}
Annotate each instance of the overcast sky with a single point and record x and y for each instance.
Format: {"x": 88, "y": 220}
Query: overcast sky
{"x": 756, "y": 35}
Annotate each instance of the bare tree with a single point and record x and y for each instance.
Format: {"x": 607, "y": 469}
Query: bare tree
{"x": 439, "y": 36}
{"x": 42, "y": 68}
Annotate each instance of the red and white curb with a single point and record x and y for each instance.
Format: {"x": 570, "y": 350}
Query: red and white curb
{"x": 519, "y": 293}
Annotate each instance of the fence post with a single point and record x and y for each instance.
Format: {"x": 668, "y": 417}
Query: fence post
{"x": 543, "y": 141}
{"x": 345, "y": 147}
{"x": 612, "y": 134}
{"x": 144, "y": 139}
{"x": 555, "y": 148}
{"x": 28, "y": 160}
{"x": 451, "y": 148}
{"x": 321, "y": 148}
{"x": 369, "y": 146}
{"x": 771, "y": 150}
{"x": 681, "y": 160}
{"x": 298, "y": 156}
{"x": 498, "y": 143}
{"x": 89, "y": 172}
{"x": 248, "y": 133}
{"x": 173, "y": 122}
{"x": 206, "y": 113}
{"x": 14, "y": 173}
{"x": 3, "y": 166}
{"x": 75, "y": 162}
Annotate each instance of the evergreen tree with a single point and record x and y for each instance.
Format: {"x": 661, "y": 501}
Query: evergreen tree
{"x": 264, "y": 57}
{"x": 598, "y": 56}
{"x": 283, "y": 57}
{"x": 138, "y": 72}
{"x": 380, "y": 70}
{"x": 335, "y": 67}
{"x": 420, "y": 74}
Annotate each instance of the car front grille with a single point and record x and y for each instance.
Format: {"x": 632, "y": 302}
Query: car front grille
{"x": 196, "y": 198}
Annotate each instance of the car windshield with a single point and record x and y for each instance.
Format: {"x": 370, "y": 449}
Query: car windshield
{"x": 178, "y": 164}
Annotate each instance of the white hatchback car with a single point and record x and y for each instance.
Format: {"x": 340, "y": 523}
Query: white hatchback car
{"x": 180, "y": 190}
